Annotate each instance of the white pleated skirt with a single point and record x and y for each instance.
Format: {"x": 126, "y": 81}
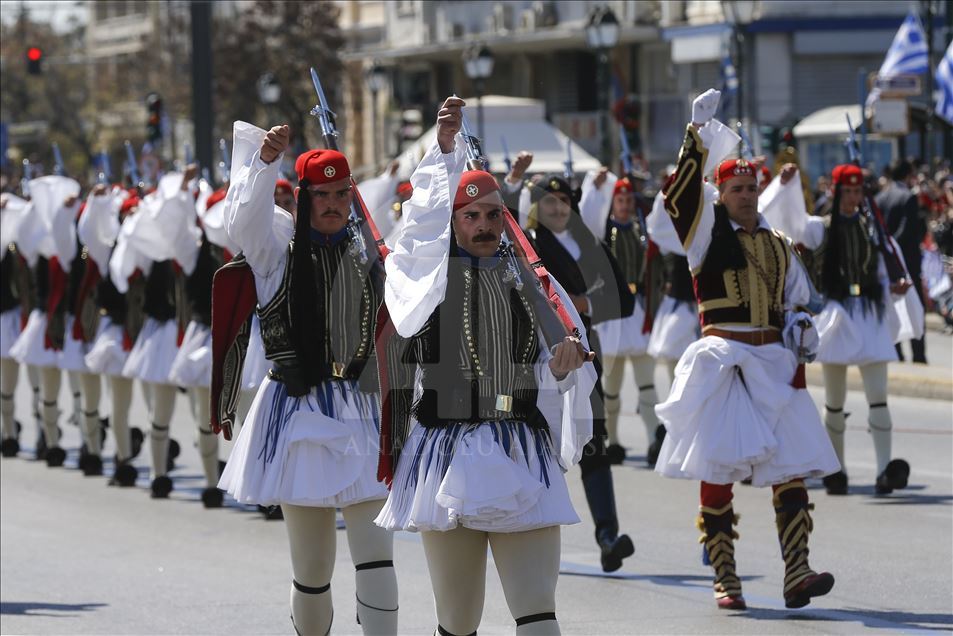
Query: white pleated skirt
{"x": 675, "y": 327}
{"x": 317, "y": 450}
{"x": 488, "y": 476}
{"x": 192, "y": 366}
{"x": 857, "y": 336}
{"x": 153, "y": 352}
{"x": 623, "y": 336}
{"x": 733, "y": 414}
{"x": 9, "y": 331}
{"x": 73, "y": 355}
{"x": 107, "y": 355}
{"x": 256, "y": 364}
{"x": 30, "y": 345}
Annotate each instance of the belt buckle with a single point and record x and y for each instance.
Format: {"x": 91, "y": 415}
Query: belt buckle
{"x": 337, "y": 369}
{"x": 504, "y": 403}
{"x": 633, "y": 287}
{"x": 855, "y": 290}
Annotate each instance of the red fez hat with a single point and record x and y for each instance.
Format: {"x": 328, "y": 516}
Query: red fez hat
{"x": 731, "y": 168}
{"x": 847, "y": 174}
{"x": 322, "y": 166}
{"x": 215, "y": 197}
{"x": 622, "y": 185}
{"x": 474, "y": 184}
{"x": 405, "y": 190}
{"x": 128, "y": 204}
{"x": 283, "y": 184}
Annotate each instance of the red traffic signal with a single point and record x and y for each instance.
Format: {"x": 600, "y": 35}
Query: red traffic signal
{"x": 34, "y": 56}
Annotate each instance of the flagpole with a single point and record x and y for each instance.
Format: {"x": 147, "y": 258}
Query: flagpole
{"x": 930, "y": 101}
{"x": 862, "y": 91}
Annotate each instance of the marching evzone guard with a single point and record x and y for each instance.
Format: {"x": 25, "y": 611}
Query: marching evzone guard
{"x": 627, "y": 339}
{"x": 192, "y": 367}
{"x": 41, "y": 342}
{"x": 310, "y": 440}
{"x": 494, "y": 418}
{"x": 861, "y": 278}
{"x": 165, "y": 236}
{"x": 16, "y": 301}
{"x": 104, "y": 229}
{"x": 589, "y": 274}
{"x": 738, "y": 408}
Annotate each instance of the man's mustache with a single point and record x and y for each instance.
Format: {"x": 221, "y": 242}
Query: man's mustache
{"x": 486, "y": 238}
{"x": 332, "y": 213}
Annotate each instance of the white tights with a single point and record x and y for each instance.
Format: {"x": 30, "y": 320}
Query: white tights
{"x": 613, "y": 371}
{"x": 528, "y": 565}
{"x": 312, "y": 536}
{"x": 9, "y": 374}
{"x": 160, "y": 398}
{"x": 879, "y": 423}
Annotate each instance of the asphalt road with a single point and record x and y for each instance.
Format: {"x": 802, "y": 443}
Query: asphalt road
{"x": 78, "y": 557}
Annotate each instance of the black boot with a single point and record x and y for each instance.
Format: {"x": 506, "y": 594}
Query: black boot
{"x": 212, "y": 497}
{"x": 601, "y": 499}
{"x": 161, "y": 487}
{"x": 651, "y": 455}
{"x": 91, "y": 465}
{"x": 174, "y": 451}
{"x": 836, "y": 483}
{"x": 894, "y": 477}
{"x": 55, "y": 457}
{"x": 125, "y": 474}
{"x": 615, "y": 453}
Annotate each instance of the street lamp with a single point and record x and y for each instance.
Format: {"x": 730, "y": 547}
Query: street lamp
{"x": 478, "y": 64}
{"x": 602, "y": 34}
{"x": 269, "y": 93}
{"x": 742, "y": 12}
{"x": 376, "y": 76}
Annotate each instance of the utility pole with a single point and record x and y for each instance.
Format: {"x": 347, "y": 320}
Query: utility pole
{"x": 202, "y": 81}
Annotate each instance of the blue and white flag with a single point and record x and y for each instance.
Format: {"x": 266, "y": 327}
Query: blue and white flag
{"x": 729, "y": 83}
{"x": 944, "y": 86}
{"x": 907, "y": 54}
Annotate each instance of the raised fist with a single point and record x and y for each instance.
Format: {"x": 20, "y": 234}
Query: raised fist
{"x": 449, "y": 122}
{"x": 276, "y": 142}
{"x": 704, "y": 107}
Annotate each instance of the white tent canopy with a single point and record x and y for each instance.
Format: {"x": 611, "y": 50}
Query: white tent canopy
{"x": 828, "y": 121}
{"x": 520, "y": 121}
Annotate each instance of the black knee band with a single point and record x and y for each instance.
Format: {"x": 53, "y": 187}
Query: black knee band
{"x": 641, "y": 388}
{"x": 304, "y": 589}
{"x": 205, "y": 432}
{"x": 50, "y": 403}
{"x": 878, "y": 405}
{"x": 833, "y": 410}
{"x": 156, "y": 427}
{"x": 5, "y": 396}
{"x": 93, "y": 413}
{"x": 612, "y": 396}
{"x": 372, "y": 565}
{"x": 535, "y": 618}
{"x": 443, "y": 632}
{"x": 379, "y": 609}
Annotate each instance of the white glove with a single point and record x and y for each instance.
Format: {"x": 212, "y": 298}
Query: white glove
{"x": 704, "y": 107}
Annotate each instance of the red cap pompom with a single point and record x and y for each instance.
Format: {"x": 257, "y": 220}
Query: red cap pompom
{"x": 405, "y": 191}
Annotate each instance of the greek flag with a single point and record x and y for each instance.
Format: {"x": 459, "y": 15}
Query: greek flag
{"x": 907, "y": 54}
{"x": 944, "y": 86}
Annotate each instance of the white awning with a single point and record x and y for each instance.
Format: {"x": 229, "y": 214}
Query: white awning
{"x": 520, "y": 122}
{"x": 828, "y": 122}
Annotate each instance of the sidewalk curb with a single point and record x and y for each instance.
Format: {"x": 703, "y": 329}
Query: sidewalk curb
{"x": 931, "y": 383}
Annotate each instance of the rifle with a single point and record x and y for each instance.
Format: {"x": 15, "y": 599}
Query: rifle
{"x": 522, "y": 263}
{"x": 360, "y": 225}
{"x": 746, "y": 151}
{"x": 568, "y": 172}
{"x": 626, "y": 156}
{"x": 876, "y": 227}
{"x": 27, "y": 175}
{"x": 131, "y": 166}
{"x": 58, "y": 166}
{"x": 506, "y": 155}
{"x": 224, "y": 166}
{"x": 104, "y": 172}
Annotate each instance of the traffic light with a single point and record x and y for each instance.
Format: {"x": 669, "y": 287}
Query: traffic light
{"x": 770, "y": 138}
{"x": 34, "y": 60}
{"x": 154, "y": 118}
